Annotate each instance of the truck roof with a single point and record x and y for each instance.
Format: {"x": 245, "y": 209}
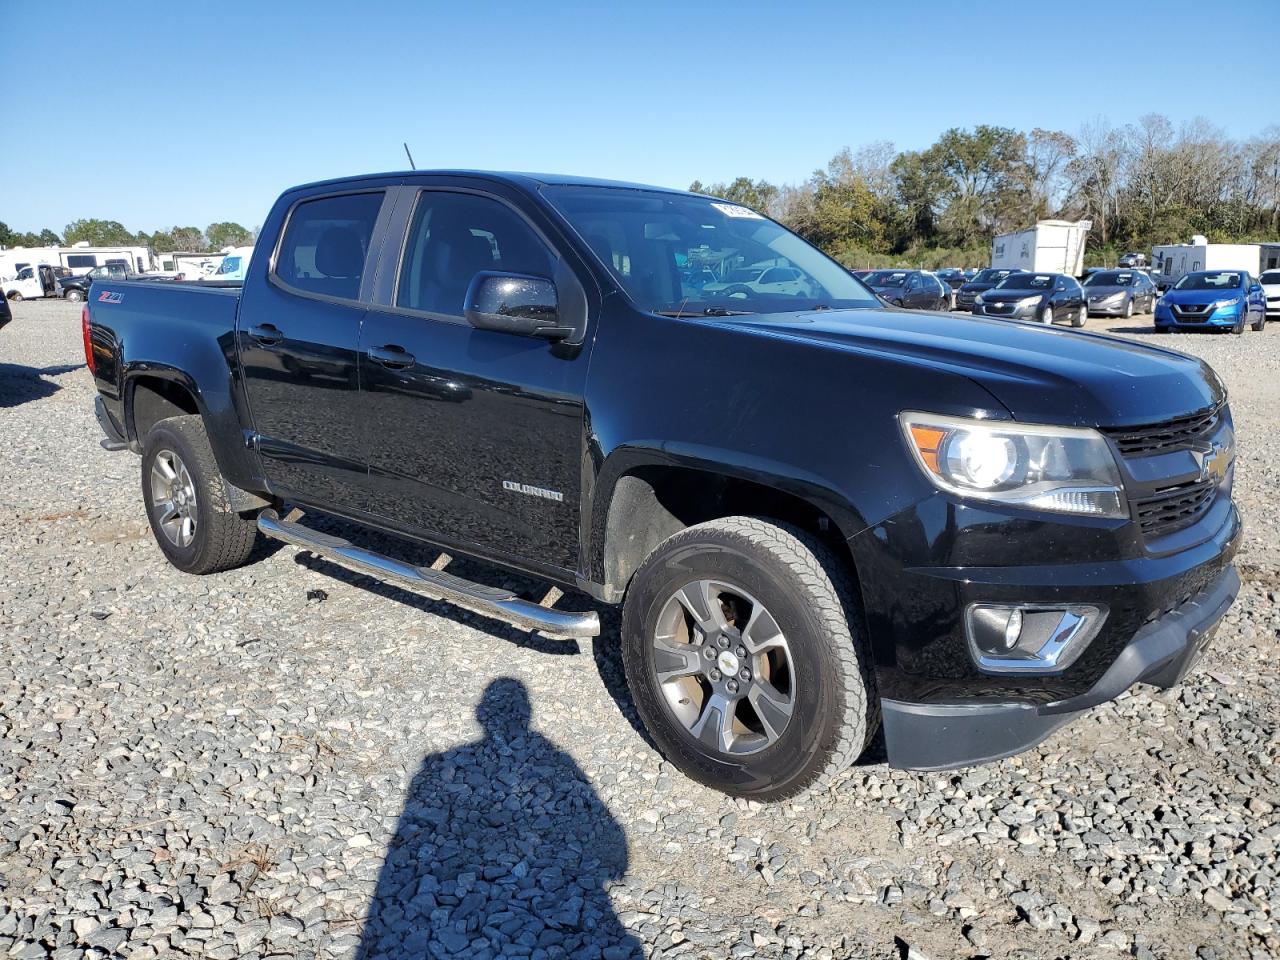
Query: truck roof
{"x": 530, "y": 181}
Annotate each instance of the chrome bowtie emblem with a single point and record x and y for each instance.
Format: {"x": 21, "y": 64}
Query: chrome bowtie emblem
{"x": 1213, "y": 462}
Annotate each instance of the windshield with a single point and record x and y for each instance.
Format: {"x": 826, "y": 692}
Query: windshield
{"x": 991, "y": 276}
{"x": 1026, "y": 281}
{"x": 228, "y": 265}
{"x": 1271, "y": 276}
{"x": 1213, "y": 280}
{"x": 650, "y": 240}
{"x": 1109, "y": 278}
{"x": 887, "y": 278}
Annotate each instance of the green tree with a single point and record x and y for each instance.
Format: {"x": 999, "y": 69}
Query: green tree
{"x": 227, "y": 234}
{"x": 97, "y": 233}
{"x": 758, "y": 195}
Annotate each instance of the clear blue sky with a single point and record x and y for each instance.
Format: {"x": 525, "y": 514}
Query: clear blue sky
{"x": 194, "y": 112}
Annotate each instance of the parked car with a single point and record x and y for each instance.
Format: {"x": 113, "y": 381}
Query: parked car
{"x": 988, "y": 548}
{"x": 1043, "y": 297}
{"x": 1213, "y": 299}
{"x": 1120, "y": 293}
{"x": 31, "y": 283}
{"x": 232, "y": 267}
{"x": 1132, "y": 260}
{"x": 1270, "y": 281}
{"x": 952, "y": 277}
{"x": 914, "y": 289}
{"x": 749, "y": 282}
{"x": 75, "y": 288}
{"x": 982, "y": 280}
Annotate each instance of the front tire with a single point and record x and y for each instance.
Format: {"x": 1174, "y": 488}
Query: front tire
{"x": 15, "y": 297}
{"x": 1261, "y": 323}
{"x": 1081, "y": 317}
{"x": 744, "y": 653}
{"x": 75, "y": 296}
{"x": 1128, "y": 309}
{"x": 1046, "y": 314}
{"x": 187, "y": 507}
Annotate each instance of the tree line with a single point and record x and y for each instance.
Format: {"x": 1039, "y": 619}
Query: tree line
{"x": 1141, "y": 184}
{"x": 112, "y": 233}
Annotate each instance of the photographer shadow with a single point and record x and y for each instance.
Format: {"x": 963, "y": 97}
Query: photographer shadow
{"x": 503, "y": 848}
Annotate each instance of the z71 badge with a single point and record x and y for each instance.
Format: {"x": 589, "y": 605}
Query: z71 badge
{"x": 110, "y": 296}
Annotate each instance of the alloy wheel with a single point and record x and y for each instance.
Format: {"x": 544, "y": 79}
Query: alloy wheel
{"x": 724, "y": 667}
{"x": 173, "y": 498}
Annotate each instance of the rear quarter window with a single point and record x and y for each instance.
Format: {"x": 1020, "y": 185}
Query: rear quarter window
{"x": 326, "y": 244}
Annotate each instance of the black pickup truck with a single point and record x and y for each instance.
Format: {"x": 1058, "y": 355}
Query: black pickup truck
{"x": 820, "y": 515}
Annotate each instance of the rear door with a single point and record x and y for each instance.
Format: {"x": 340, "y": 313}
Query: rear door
{"x": 476, "y": 436}
{"x": 298, "y": 334}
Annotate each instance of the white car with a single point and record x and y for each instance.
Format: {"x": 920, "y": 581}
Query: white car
{"x": 779, "y": 281}
{"x": 1270, "y": 281}
{"x": 233, "y": 265}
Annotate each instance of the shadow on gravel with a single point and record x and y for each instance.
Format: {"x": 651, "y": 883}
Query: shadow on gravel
{"x": 19, "y": 384}
{"x": 503, "y": 848}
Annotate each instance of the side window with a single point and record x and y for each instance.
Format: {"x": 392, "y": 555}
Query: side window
{"x": 453, "y": 237}
{"x": 913, "y": 283}
{"x": 775, "y": 275}
{"x": 326, "y": 242}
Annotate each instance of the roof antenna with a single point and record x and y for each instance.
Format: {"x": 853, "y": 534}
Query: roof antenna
{"x": 410, "y": 156}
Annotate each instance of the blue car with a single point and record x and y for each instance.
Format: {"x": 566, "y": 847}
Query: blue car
{"x": 1213, "y": 299}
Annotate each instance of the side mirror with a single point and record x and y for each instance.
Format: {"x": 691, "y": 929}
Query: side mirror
{"x": 1256, "y": 288}
{"x": 513, "y": 303}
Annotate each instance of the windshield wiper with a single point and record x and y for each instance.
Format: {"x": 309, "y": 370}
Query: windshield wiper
{"x": 704, "y": 312}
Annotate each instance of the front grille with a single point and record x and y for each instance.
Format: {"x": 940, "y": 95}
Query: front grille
{"x": 1192, "y": 309}
{"x": 1174, "y": 509}
{"x": 999, "y": 308}
{"x": 1162, "y": 437}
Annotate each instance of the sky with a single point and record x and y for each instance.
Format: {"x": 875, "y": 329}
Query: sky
{"x": 185, "y": 114}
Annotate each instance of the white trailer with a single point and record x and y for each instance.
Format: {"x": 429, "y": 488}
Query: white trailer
{"x": 192, "y": 266}
{"x": 1051, "y": 246}
{"x": 1170, "y": 261}
{"x": 81, "y": 257}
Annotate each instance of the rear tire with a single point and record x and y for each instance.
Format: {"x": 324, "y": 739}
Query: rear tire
{"x": 701, "y": 609}
{"x": 1128, "y": 309}
{"x": 187, "y": 507}
{"x": 1081, "y": 317}
{"x": 1261, "y": 323}
{"x": 75, "y": 296}
{"x": 15, "y": 297}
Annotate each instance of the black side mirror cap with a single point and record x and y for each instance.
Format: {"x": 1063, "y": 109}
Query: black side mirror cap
{"x": 514, "y": 303}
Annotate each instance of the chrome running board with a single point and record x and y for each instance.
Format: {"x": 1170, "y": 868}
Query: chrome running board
{"x": 437, "y": 584}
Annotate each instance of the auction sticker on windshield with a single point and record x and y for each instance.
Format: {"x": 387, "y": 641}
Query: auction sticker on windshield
{"x": 733, "y": 210}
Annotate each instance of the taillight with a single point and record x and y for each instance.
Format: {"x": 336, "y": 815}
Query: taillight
{"x": 88, "y": 344}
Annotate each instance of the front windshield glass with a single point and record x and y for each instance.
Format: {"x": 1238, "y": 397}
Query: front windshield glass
{"x": 1214, "y": 280}
{"x": 888, "y": 279}
{"x": 653, "y": 242}
{"x": 991, "y": 276}
{"x": 228, "y": 265}
{"x": 1109, "y": 278}
{"x": 1026, "y": 281}
{"x": 1271, "y": 276}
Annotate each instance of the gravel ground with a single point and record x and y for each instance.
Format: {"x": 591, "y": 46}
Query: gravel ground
{"x": 291, "y": 761}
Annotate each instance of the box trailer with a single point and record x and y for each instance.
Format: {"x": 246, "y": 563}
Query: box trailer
{"x": 1170, "y": 261}
{"x": 1051, "y": 246}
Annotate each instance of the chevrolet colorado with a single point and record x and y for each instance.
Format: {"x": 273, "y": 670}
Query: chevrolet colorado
{"x": 821, "y": 516}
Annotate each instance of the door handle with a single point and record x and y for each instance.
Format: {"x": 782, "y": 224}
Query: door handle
{"x": 392, "y": 356}
{"x": 265, "y": 333}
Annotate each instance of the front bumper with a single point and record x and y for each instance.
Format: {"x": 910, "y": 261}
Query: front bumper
{"x": 1106, "y": 309}
{"x": 934, "y": 736}
{"x": 1017, "y": 313}
{"x": 1221, "y": 318}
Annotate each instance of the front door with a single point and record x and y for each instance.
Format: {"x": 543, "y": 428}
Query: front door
{"x": 298, "y": 336}
{"x": 476, "y": 436}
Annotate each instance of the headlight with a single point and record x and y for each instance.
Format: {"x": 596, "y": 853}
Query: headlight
{"x": 1060, "y": 469}
{"x": 978, "y": 299}
{"x": 1230, "y": 302}
{"x": 1028, "y": 302}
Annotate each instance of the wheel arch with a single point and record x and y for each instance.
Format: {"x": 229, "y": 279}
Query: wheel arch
{"x": 155, "y": 395}
{"x": 643, "y": 500}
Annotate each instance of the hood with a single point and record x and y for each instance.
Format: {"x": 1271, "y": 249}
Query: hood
{"x": 1011, "y": 296}
{"x": 1198, "y": 297}
{"x": 973, "y": 286}
{"x": 1040, "y": 374}
{"x": 1104, "y": 290}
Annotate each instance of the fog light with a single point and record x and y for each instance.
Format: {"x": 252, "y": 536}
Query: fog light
{"x": 1030, "y": 638}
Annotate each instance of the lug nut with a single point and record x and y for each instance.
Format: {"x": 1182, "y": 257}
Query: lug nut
{"x": 744, "y": 674}
{"x": 715, "y": 675}
{"x": 733, "y": 686}
{"x": 723, "y": 642}
{"x": 709, "y": 653}
{"x": 742, "y": 653}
